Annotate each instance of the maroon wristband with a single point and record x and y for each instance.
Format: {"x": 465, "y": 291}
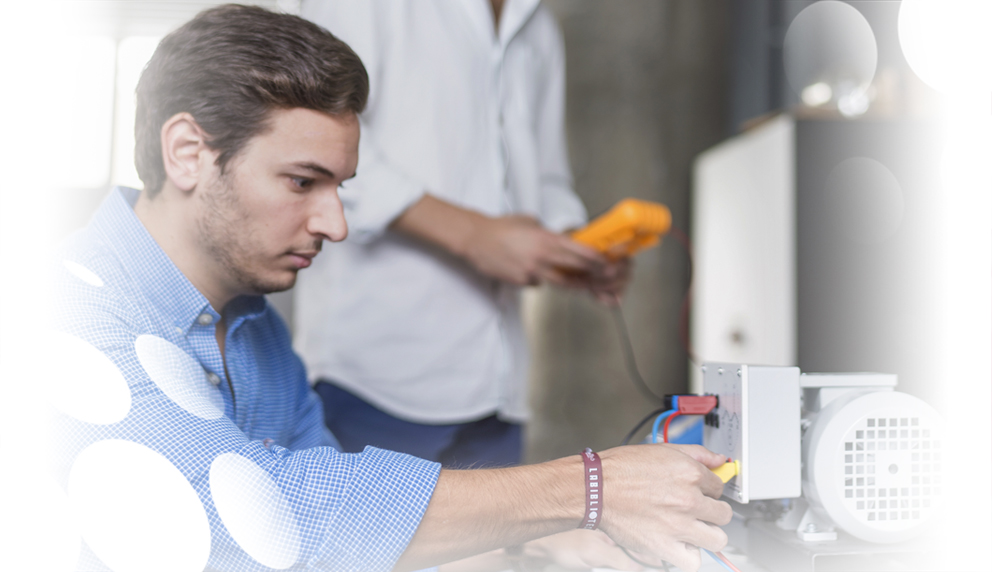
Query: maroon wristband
{"x": 594, "y": 490}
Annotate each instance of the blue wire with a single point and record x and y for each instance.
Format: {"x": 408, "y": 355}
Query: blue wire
{"x": 714, "y": 557}
{"x": 657, "y": 424}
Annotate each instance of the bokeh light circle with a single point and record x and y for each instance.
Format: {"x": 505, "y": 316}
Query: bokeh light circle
{"x": 831, "y": 45}
{"x": 254, "y": 511}
{"x": 136, "y": 511}
{"x": 948, "y": 43}
{"x": 83, "y": 273}
{"x": 179, "y": 376}
{"x": 865, "y": 199}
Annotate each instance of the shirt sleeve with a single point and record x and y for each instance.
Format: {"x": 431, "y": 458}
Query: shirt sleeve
{"x": 561, "y": 208}
{"x": 310, "y": 429}
{"x": 265, "y": 506}
{"x": 380, "y": 191}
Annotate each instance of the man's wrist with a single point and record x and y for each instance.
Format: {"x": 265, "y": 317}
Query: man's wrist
{"x": 469, "y": 225}
{"x": 569, "y": 484}
{"x": 594, "y": 489}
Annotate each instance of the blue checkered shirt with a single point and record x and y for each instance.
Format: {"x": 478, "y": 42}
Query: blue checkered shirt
{"x": 274, "y": 491}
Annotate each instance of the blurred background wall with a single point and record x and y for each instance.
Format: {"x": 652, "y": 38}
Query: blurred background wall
{"x": 648, "y": 89}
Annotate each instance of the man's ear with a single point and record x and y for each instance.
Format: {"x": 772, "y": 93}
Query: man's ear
{"x": 183, "y": 142}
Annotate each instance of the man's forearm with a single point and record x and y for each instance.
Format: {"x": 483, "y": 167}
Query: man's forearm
{"x": 475, "y": 511}
{"x": 510, "y": 248}
{"x": 440, "y": 223}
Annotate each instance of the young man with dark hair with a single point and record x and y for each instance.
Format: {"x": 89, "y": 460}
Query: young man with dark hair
{"x": 196, "y": 405}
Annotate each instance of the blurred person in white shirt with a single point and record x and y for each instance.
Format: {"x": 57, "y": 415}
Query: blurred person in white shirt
{"x": 411, "y": 328}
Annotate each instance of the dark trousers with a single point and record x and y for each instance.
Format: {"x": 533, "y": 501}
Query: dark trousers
{"x": 488, "y": 442}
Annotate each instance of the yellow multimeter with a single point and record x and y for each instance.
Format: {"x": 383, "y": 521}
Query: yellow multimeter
{"x": 631, "y": 225}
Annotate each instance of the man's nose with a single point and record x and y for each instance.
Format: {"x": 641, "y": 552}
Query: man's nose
{"x": 327, "y": 217}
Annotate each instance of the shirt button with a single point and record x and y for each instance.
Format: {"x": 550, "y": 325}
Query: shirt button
{"x": 205, "y": 319}
{"x": 213, "y": 378}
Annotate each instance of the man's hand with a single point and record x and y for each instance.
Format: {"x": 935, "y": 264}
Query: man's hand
{"x": 516, "y": 249}
{"x": 671, "y": 515}
{"x": 609, "y": 284}
{"x": 580, "y": 550}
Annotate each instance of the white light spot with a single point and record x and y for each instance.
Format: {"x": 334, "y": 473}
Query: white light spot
{"x": 854, "y": 103}
{"x": 82, "y": 382}
{"x": 254, "y": 511}
{"x": 136, "y": 511}
{"x": 948, "y": 44}
{"x": 40, "y": 533}
{"x": 866, "y": 200}
{"x": 83, "y": 273}
{"x": 830, "y": 42}
{"x": 817, "y": 94}
{"x": 179, "y": 376}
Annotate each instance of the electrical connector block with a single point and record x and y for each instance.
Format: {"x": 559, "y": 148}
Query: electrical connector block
{"x": 692, "y": 404}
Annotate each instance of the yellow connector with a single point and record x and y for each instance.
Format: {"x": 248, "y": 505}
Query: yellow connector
{"x": 631, "y": 225}
{"x": 728, "y": 470}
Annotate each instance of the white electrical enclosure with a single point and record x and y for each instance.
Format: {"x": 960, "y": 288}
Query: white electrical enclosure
{"x": 756, "y": 422}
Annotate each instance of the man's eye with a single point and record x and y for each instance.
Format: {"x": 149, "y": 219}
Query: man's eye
{"x": 301, "y": 182}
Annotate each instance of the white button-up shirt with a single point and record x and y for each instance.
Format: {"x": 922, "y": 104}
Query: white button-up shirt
{"x": 475, "y": 118}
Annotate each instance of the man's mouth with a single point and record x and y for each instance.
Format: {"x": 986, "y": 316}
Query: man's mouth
{"x": 302, "y": 259}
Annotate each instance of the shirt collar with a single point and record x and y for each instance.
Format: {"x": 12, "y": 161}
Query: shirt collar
{"x": 514, "y": 15}
{"x": 154, "y": 272}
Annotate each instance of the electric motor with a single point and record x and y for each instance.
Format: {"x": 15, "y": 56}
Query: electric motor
{"x": 872, "y": 464}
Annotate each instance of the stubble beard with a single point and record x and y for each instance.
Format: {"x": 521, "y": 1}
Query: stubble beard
{"x": 226, "y": 232}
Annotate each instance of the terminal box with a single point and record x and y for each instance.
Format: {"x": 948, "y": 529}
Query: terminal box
{"x": 756, "y": 422}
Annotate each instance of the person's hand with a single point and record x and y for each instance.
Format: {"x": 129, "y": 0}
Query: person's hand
{"x": 516, "y": 249}
{"x": 609, "y": 282}
{"x": 660, "y": 502}
{"x": 580, "y": 550}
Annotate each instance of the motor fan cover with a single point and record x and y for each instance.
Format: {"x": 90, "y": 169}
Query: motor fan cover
{"x": 873, "y": 465}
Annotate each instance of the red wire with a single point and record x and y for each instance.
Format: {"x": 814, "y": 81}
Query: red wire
{"x": 664, "y": 434}
{"x": 727, "y": 562}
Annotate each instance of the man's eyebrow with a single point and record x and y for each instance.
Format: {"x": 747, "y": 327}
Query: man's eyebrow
{"x": 315, "y": 168}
